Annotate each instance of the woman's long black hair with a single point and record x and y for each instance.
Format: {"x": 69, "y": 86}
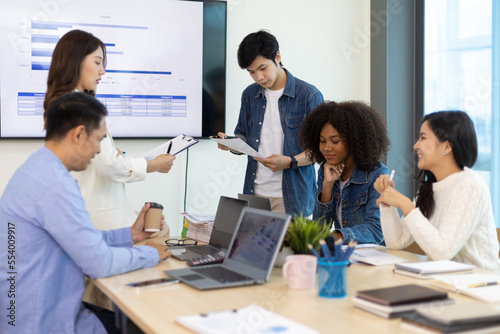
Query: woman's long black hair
{"x": 457, "y": 128}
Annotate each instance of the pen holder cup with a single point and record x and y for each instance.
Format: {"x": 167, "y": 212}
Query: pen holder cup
{"x": 332, "y": 279}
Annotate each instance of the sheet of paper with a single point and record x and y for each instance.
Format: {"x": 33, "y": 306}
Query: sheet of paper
{"x": 374, "y": 257}
{"x": 251, "y": 319}
{"x": 344, "y": 247}
{"x": 179, "y": 144}
{"x": 239, "y": 145}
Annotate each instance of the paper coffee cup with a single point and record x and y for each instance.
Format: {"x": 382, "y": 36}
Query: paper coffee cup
{"x": 153, "y": 217}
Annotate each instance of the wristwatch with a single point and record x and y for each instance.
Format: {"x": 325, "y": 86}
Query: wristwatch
{"x": 293, "y": 164}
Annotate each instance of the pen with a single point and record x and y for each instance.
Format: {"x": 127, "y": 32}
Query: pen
{"x": 392, "y": 176}
{"x": 311, "y": 248}
{"x": 338, "y": 250}
{"x": 478, "y": 285}
{"x": 349, "y": 250}
{"x": 169, "y": 147}
{"x": 326, "y": 251}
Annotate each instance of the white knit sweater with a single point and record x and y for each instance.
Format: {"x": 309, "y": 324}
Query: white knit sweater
{"x": 462, "y": 227}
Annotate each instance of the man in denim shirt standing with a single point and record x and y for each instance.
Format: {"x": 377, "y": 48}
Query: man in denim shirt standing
{"x": 271, "y": 114}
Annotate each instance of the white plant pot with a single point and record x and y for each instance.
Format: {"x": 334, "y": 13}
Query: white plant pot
{"x": 280, "y": 259}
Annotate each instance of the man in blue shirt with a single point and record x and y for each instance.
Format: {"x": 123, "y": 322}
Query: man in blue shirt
{"x": 49, "y": 242}
{"x": 271, "y": 114}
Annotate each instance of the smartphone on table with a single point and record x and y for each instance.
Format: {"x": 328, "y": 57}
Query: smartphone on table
{"x": 154, "y": 282}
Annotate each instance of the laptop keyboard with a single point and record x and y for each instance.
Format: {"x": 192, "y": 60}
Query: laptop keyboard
{"x": 221, "y": 274}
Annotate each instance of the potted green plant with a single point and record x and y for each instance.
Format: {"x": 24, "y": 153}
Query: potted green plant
{"x": 303, "y": 231}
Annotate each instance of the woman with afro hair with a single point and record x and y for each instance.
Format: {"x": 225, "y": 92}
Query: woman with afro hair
{"x": 347, "y": 139}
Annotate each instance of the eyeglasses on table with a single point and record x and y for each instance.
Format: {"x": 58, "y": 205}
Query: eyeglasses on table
{"x": 181, "y": 242}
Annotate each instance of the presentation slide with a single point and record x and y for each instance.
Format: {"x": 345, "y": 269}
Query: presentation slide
{"x": 153, "y": 81}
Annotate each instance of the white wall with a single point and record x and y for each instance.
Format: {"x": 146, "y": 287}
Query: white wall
{"x": 323, "y": 42}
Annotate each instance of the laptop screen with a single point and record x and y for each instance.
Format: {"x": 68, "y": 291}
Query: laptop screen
{"x": 257, "y": 238}
{"x": 226, "y": 218}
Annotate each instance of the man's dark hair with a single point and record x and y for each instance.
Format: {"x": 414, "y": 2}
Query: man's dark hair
{"x": 71, "y": 110}
{"x": 260, "y": 43}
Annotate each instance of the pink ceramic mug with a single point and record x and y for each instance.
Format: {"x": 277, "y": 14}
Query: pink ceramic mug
{"x": 300, "y": 271}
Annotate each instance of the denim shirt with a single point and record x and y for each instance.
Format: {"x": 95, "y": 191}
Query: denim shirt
{"x": 360, "y": 213}
{"x": 298, "y": 100}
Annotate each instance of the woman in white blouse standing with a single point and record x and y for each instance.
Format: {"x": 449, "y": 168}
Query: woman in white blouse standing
{"x": 451, "y": 217}
{"x": 78, "y": 63}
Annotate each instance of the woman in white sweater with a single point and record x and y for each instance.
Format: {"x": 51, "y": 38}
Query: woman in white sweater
{"x": 451, "y": 217}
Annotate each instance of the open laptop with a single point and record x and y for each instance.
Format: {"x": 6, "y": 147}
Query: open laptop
{"x": 256, "y": 201}
{"x": 226, "y": 218}
{"x": 250, "y": 257}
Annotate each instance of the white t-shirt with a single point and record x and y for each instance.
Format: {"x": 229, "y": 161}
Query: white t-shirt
{"x": 268, "y": 183}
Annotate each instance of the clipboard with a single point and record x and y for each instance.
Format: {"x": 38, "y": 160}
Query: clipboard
{"x": 174, "y": 146}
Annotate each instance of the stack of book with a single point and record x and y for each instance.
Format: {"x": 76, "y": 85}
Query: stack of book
{"x": 395, "y": 301}
{"x": 472, "y": 317}
{"x": 198, "y": 227}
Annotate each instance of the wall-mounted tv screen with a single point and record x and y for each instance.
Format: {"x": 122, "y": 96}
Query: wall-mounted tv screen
{"x": 165, "y": 72}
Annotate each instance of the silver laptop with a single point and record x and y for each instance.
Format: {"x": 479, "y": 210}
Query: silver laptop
{"x": 226, "y": 218}
{"x": 250, "y": 257}
{"x": 256, "y": 201}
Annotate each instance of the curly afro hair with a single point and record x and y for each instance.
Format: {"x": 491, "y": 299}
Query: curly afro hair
{"x": 358, "y": 124}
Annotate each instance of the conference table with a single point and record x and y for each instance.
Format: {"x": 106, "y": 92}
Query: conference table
{"x": 155, "y": 309}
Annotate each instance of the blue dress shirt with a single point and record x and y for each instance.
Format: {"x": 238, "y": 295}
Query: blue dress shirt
{"x": 48, "y": 246}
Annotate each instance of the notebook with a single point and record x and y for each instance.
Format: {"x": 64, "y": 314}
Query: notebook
{"x": 402, "y": 294}
{"x": 425, "y": 270}
{"x": 484, "y": 287}
{"x": 226, "y": 218}
{"x": 462, "y": 314}
{"x": 256, "y": 201}
{"x": 396, "y": 311}
{"x": 250, "y": 257}
{"x": 472, "y": 317}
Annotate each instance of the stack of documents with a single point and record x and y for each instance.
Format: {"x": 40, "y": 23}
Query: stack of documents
{"x": 395, "y": 301}
{"x": 198, "y": 227}
{"x": 473, "y": 317}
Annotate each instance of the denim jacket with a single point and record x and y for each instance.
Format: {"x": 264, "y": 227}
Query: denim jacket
{"x": 360, "y": 213}
{"x": 299, "y": 99}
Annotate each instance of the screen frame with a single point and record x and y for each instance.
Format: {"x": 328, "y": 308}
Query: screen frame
{"x": 219, "y": 113}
